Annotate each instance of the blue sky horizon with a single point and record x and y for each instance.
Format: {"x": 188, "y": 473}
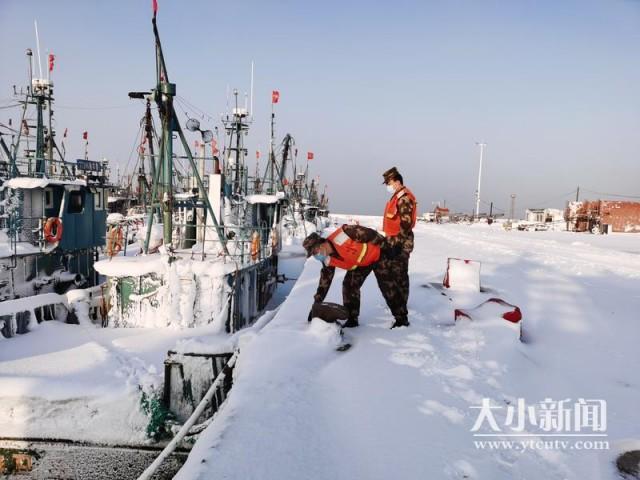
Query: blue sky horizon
{"x": 551, "y": 87}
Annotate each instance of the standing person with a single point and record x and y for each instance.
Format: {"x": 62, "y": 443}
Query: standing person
{"x": 398, "y": 222}
{"x": 360, "y": 251}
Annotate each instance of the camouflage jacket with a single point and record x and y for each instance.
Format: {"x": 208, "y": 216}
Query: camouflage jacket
{"x": 354, "y": 232}
{"x": 404, "y": 239}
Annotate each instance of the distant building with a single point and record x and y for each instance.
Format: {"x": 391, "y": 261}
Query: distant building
{"x": 603, "y": 216}
{"x": 441, "y": 214}
{"x": 544, "y": 215}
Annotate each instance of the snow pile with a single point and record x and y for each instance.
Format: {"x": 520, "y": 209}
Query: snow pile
{"x": 402, "y": 403}
{"x": 324, "y": 333}
{"x": 65, "y": 381}
{"x": 181, "y": 293}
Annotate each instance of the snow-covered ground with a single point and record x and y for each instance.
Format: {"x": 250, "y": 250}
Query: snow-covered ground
{"x": 83, "y": 382}
{"x": 399, "y": 403}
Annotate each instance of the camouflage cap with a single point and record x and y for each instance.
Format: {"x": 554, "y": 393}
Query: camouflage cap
{"x": 390, "y": 174}
{"x": 311, "y": 242}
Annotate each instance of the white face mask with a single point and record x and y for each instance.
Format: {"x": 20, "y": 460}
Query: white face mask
{"x": 390, "y": 189}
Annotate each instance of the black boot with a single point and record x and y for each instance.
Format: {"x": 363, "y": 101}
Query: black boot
{"x": 351, "y": 323}
{"x": 400, "y": 322}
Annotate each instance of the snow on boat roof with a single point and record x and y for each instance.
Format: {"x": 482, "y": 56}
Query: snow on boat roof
{"x": 262, "y": 198}
{"x": 130, "y": 266}
{"x": 9, "y": 307}
{"x": 115, "y": 217}
{"x": 185, "y": 195}
{"x": 111, "y": 199}
{"x": 30, "y": 182}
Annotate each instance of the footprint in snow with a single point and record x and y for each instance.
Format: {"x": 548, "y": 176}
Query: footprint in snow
{"x": 409, "y": 357}
{"x": 461, "y": 372}
{"x": 431, "y": 407}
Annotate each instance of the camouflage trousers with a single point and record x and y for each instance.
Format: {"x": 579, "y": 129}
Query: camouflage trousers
{"x": 392, "y": 275}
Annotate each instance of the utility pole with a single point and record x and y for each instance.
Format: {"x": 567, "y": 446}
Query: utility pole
{"x": 513, "y": 206}
{"x": 578, "y": 194}
{"x": 481, "y": 145}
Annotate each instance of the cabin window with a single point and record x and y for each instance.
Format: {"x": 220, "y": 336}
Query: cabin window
{"x": 97, "y": 200}
{"x": 76, "y": 202}
{"x": 48, "y": 198}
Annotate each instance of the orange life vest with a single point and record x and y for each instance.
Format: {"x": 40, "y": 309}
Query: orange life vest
{"x": 353, "y": 254}
{"x": 391, "y": 222}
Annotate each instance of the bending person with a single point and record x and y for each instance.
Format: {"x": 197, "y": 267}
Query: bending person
{"x": 360, "y": 251}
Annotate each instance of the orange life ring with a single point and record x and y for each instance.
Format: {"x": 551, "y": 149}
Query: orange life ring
{"x": 255, "y": 245}
{"x": 53, "y": 230}
{"x": 114, "y": 241}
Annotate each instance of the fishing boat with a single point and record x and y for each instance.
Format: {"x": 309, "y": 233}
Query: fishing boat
{"x": 209, "y": 240}
{"x": 52, "y": 215}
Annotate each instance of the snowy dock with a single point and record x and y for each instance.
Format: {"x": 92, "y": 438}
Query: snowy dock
{"x": 399, "y": 404}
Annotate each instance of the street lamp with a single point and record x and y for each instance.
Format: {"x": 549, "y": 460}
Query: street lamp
{"x": 481, "y": 145}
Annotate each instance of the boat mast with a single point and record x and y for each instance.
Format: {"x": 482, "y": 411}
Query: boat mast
{"x": 272, "y": 155}
{"x": 148, "y": 129}
{"x": 163, "y": 96}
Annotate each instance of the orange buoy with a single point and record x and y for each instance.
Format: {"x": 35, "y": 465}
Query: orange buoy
{"x": 114, "y": 241}
{"x": 255, "y": 245}
{"x": 53, "y": 230}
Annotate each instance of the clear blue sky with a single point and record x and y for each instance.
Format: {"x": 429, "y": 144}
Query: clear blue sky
{"x": 551, "y": 86}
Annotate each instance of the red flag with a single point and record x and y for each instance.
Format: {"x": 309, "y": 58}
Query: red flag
{"x": 309, "y": 155}
{"x": 85, "y": 135}
{"x": 52, "y": 59}
{"x": 257, "y": 153}
{"x": 64, "y": 135}
{"x": 154, "y": 5}
{"x": 275, "y": 96}
{"x": 285, "y": 182}
{"x": 214, "y": 148}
